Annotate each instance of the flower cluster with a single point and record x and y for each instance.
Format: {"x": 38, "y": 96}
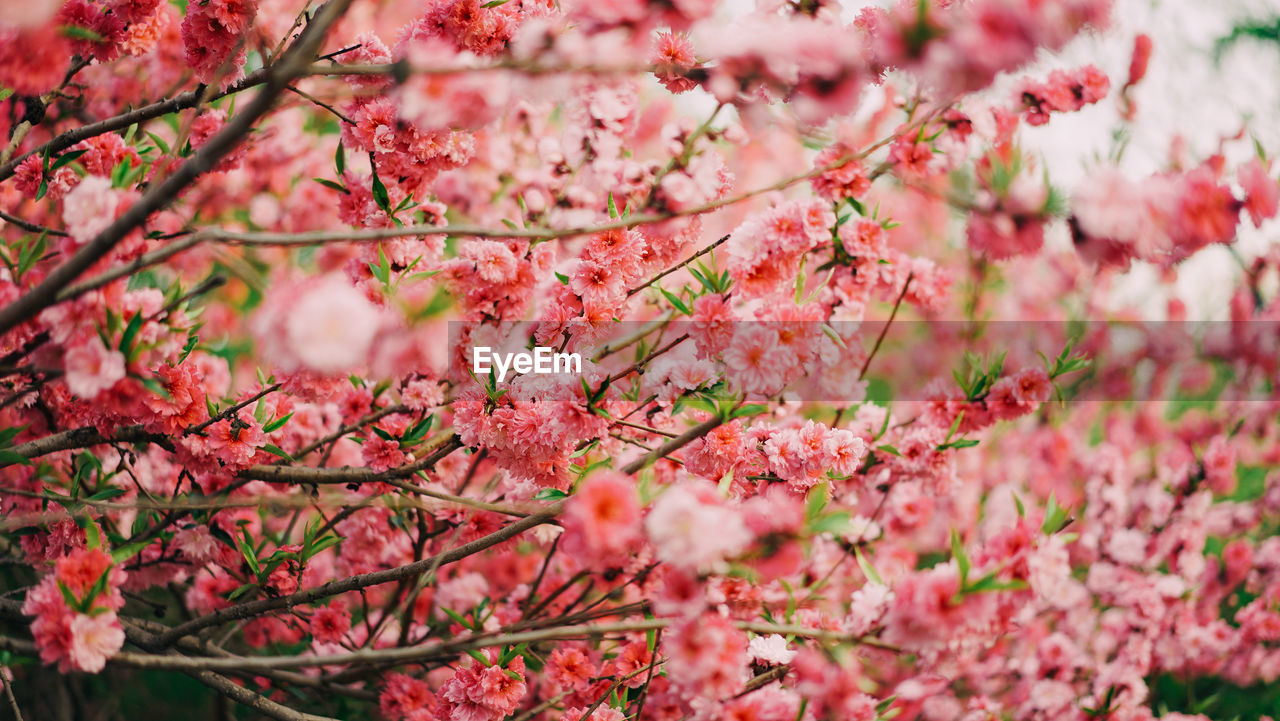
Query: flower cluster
{"x": 75, "y": 608}
{"x": 857, "y": 423}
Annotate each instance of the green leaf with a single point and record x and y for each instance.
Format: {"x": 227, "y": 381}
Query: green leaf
{"x": 320, "y": 546}
{"x": 125, "y": 552}
{"x": 340, "y": 159}
{"x": 159, "y": 141}
{"x": 885, "y": 704}
{"x": 962, "y": 559}
{"x": 276, "y": 424}
{"x": 613, "y": 208}
{"x": 380, "y": 195}
{"x": 418, "y": 431}
{"x": 66, "y": 159}
{"x": 675, "y": 301}
{"x": 834, "y": 523}
{"x": 152, "y": 384}
{"x": 332, "y": 185}
{"x": 991, "y": 583}
{"x": 192, "y": 341}
{"x": 246, "y": 549}
{"x": 867, "y": 569}
{"x": 77, "y": 32}
{"x": 751, "y": 409}
{"x": 107, "y": 494}
{"x": 816, "y": 501}
{"x": 458, "y": 619}
{"x": 8, "y": 434}
{"x": 277, "y": 451}
{"x": 1055, "y": 517}
{"x": 479, "y": 657}
{"x": 240, "y": 591}
{"x": 959, "y": 443}
{"x": 9, "y": 459}
{"x": 726, "y": 483}
{"x": 92, "y": 536}
{"x": 130, "y": 332}
{"x": 72, "y": 602}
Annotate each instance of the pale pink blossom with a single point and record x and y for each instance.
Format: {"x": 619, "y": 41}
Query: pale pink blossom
{"x": 89, "y": 208}
{"x": 92, "y": 368}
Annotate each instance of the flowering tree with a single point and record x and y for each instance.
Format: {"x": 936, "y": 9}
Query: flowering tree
{"x": 854, "y": 432}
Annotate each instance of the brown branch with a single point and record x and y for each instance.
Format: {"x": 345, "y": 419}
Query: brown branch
{"x": 674, "y": 444}
{"x": 31, "y": 227}
{"x": 351, "y": 583}
{"x": 307, "y": 474}
{"x": 678, "y": 266}
{"x": 83, "y": 438}
{"x": 883, "y": 331}
{"x": 294, "y": 62}
{"x": 186, "y": 100}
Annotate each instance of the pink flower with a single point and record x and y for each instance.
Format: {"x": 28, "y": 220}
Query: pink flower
{"x": 755, "y": 362}
{"x": 382, "y": 454}
{"x": 672, "y": 60}
{"x": 71, "y": 639}
{"x": 570, "y": 668}
{"x": 89, "y": 208}
{"x": 765, "y": 251}
{"x": 94, "y": 639}
{"x": 33, "y": 61}
{"x": 926, "y": 608}
{"x": 602, "y": 520}
{"x": 1220, "y": 465}
{"x": 494, "y": 261}
{"x": 1031, "y": 386}
{"x": 92, "y": 368}
{"x": 27, "y": 15}
{"x": 403, "y": 697}
{"x": 706, "y": 655}
{"x": 323, "y": 325}
{"x": 1262, "y": 192}
{"x": 677, "y": 526}
{"x": 848, "y": 180}
{"x": 597, "y": 283}
{"x": 212, "y": 35}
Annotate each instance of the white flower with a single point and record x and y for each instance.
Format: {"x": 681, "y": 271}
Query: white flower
{"x": 770, "y": 650}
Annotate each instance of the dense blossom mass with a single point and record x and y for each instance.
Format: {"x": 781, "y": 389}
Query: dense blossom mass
{"x": 805, "y": 471}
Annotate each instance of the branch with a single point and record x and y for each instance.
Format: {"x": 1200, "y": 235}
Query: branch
{"x": 307, "y": 474}
{"x": 252, "y": 609}
{"x": 186, "y": 100}
{"x": 451, "y": 649}
{"x": 213, "y": 680}
{"x": 674, "y": 268}
{"x": 674, "y": 444}
{"x": 83, "y": 438}
{"x": 294, "y": 62}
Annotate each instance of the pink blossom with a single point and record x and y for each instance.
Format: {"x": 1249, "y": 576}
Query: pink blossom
{"x": 1262, "y": 192}
{"x": 92, "y": 368}
{"x": 602, "y": 520}
{"x": 676, "y": 523}
{"x": 89, "y": 208}
{"x": 94, "y": 639}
